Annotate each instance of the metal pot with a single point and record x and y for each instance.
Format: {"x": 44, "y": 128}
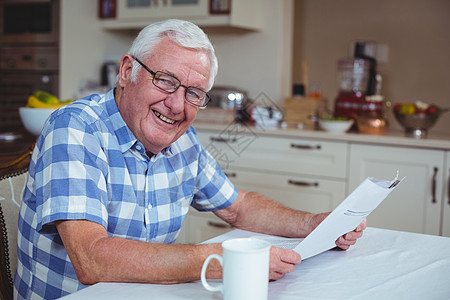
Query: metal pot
{"x": 227, "y": 97}
{"x": 230, "y": 98}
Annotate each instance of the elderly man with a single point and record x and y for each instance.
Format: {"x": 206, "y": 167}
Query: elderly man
{"x": 112, "y": 177}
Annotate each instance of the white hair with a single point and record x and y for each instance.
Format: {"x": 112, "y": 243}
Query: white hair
{"x": 184, "y": 33}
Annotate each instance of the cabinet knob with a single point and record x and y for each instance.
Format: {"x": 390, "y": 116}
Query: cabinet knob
{"x": 230, "y": 175}
{"x": 302, "y": 183}
{"x": 306, "y": 147}
{"x": 448, "y": 187}
{"x": 222, "y": 140}
{"x": 433, "y": 185}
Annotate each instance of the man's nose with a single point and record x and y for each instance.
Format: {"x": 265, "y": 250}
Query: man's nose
{"x": 175, "y": 101}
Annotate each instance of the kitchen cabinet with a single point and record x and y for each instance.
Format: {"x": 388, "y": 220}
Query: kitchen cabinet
{"x": 304, "y": 174}
{"x": 446, "y": 202}
{"x": 415, "y": 205}
{"x": 305, "y": 193}
{"x": 241, "y": 148}
{"x": 315, "y": 171}
{"x": 135, "y": 9}
{"x": 136, "y": 14}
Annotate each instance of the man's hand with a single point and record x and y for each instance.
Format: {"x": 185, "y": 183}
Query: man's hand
{"x": 282, "y": 261}
{"x": 349, "y": 239}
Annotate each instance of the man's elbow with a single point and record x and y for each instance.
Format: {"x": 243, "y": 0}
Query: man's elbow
{"x": 86, "y": 276}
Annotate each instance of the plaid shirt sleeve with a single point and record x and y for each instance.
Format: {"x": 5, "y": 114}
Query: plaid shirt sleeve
{"x": 70, "y": 172}
{"x": 214, "y": 190}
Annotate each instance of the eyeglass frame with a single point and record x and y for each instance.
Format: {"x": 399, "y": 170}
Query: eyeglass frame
{"x": 153, "y": 73}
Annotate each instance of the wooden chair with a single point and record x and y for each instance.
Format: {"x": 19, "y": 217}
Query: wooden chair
{"x": 12, "y": 180}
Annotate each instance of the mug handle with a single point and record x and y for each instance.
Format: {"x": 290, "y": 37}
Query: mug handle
{"x": 205, "y": 284}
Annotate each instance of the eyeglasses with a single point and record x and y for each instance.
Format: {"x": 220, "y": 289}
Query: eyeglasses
{"x": 170, "y": 84}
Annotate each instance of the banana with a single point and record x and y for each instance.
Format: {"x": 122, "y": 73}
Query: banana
{"x": 46, "y": 97}
{"x": 34, "y": 102}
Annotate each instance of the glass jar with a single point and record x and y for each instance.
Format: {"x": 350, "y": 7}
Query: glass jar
{"x": 353, "y": 75}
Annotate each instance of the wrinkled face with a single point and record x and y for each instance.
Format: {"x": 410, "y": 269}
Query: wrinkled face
{"x": 155, "y": 117}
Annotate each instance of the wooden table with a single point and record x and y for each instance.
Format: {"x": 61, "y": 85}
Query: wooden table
{"x": 15, "y": 152}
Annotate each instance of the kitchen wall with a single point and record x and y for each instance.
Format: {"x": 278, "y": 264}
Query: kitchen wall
{"x": 259, "y": 62}
{"x": 416, "y": 32}
{"x": 84, "y": 45}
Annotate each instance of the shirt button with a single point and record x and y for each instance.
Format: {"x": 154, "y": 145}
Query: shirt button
{"x": 138, "y": 148}
{"x": 150, "y": 206}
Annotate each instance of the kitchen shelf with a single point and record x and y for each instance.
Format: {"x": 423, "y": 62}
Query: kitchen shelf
{"x": 245, "y": 15}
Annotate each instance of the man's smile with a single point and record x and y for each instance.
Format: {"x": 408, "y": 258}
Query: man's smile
{"x": 163, "y": 118}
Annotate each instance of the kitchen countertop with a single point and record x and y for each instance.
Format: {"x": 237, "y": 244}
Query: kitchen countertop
{"x": 12, "y": 149}
{"x": 391, "y": 138}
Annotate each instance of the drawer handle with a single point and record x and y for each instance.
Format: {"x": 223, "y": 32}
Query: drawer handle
{"x": 219, "y": 225}
{"x": 302, "y": 183}
{"x": 433, "y": 186}
{"x": 222, "y": 140}
{"x": 230, "y": 175}
{"x": 306, "y": 147}
{"x": 448, "y": 188}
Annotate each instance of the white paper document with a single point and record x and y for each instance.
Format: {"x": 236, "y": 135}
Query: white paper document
{"x": 347, "y": 216}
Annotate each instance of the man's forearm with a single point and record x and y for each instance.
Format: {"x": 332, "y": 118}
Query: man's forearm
{"x": 131, "y": 261}
{"x": 258, "y": 213}
{"x": 97, "y": 257}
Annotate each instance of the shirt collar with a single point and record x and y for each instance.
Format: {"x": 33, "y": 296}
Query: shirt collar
{"x": 124, "y": 135}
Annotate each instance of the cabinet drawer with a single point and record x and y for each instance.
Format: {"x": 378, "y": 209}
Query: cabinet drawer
{"x": 280, "y": 154}
{"x": 297, "y": 192}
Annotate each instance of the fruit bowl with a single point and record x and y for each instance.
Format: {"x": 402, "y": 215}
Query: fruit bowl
{"x": 39, "y": 107}
{"x": 34, "y": 118}
{"x": 417, "y": 118}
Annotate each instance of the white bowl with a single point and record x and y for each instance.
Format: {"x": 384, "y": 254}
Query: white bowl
{"x": 34, "y": 118}
{"x": 336, "y": 126}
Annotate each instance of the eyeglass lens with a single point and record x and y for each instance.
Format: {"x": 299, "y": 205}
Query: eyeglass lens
{"x": 170, "y": 84}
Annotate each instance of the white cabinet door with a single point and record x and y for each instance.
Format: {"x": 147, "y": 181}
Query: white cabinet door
{"x": 446, "y": 201}
{"x": 415, "y": 205}
{"x": 302, "y": 193}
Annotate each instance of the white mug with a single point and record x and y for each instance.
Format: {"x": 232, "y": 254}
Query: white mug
{"x": 245, "y": 266}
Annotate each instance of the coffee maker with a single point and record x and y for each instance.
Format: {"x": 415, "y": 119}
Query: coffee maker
{"x": 357, "y": 80}
{"x": 353, "y": 75}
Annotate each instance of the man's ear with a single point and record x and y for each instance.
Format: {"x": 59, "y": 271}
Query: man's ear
{"x": 126, "y": 65}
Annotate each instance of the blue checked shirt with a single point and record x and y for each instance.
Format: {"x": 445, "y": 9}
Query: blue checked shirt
{"x": 88, "y": 165}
